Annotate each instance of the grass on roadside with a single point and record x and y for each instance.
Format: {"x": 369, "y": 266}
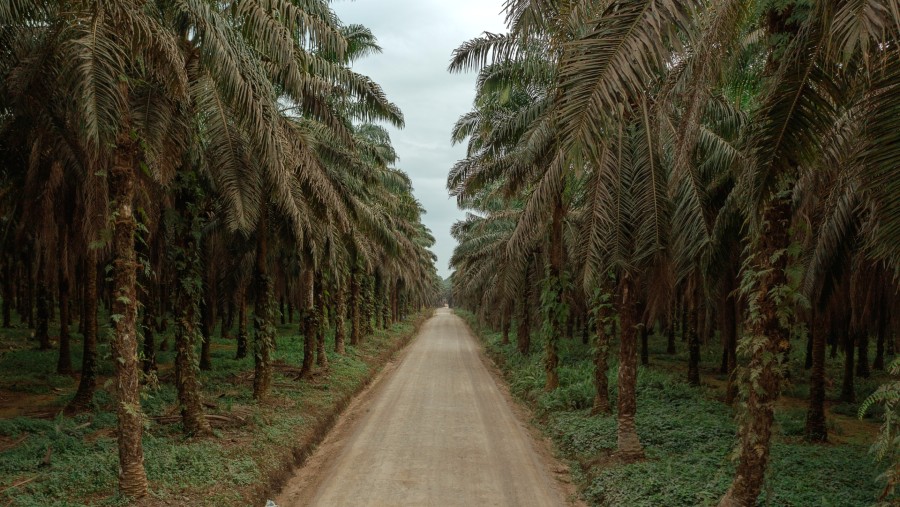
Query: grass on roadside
{"x": 53, "y": 460}
{"x": 689, "y": 437}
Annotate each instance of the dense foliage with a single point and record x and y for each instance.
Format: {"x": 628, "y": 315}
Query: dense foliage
{"x": 721, "y": 170}
{"x": 173, "y": 162}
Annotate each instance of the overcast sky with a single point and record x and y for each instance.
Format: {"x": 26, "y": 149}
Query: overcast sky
{"x": 418, "y": 37}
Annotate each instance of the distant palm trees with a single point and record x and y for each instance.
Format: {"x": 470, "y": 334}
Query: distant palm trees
{"x": 692, "y": 164}
{"x": 138, "y": 132}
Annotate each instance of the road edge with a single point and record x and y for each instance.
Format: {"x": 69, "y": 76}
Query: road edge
{"x": 302, "y": 451}
{"x": 559, "y": 470}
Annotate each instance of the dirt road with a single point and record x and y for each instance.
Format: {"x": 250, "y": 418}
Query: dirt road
{"x": 435, "y": 431}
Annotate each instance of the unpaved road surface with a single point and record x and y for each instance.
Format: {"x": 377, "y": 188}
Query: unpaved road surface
{"x": 435, "y": 431}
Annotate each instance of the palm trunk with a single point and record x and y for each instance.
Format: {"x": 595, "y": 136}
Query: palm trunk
{"x": 64, "y": 364}
{"x": 148, "y": 327}
{"x": 628, "y": 444}
{"x": 264, "y": 317}
{"x": 378, "y": 299}
{"x": 355, "y": 303}
{"x": 41, "y": 328}
{"x": 645, "y": 345}
{"x": 770, "y": 345}
{"x": 7, "y": 293}
{"x": 340, "y": 310}
{"x": 601, "y": 359}
{"x": 386, "y": 307}
{"x": 554, "y": 310}
{"x": 862, "y": 364}
{"x": 670, "y": 329}
{"x": 208, "y": 320}
{"x": 729, "y": 315}
{"x": 132, "y": 477}
{"x": 87, "y": 384}
{"x": 523, "y": 329}
{"x": 816, "y": 430}
{"x": 27, "y": 298}
{"x": 309, "y": 326}
{"x": 369, "y": 307}
{"x": 242, "y": 327}
{"x": 185, "y": 254}
{"x": 693, "y": 337}
{"x": 186, "y": 336}
{"x": 848, "y": 391}
{"x": 321, "y": 355}
{"x": 505, "y": 323}
{"x": 227, "y": 320}
{"x": 883, "y": 329}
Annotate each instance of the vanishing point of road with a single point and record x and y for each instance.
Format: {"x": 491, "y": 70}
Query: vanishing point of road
{"x": 435, "y": 431}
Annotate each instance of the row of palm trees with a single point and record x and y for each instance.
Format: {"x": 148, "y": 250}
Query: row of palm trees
{"x": 179, "y": 159}
{"x": 715, "y": 166}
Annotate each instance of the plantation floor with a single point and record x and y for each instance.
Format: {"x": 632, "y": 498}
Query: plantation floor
{"x": 49, "y": 459}
{"x": 437, "y": 430}
{"x": 688, "y": 433}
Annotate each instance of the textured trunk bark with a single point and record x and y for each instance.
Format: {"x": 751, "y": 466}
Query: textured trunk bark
{"x": 227, "y": 322}
{"x": 208, "y": 320}
{"x": 148, "y": 327}
{"x": 309, "y": 328}
{"x": 395, "y": 302}
{"x": 808, "y": 361}
{"x": 188, "y": 387}
{"x": 670, "y": 329}
{"x": 369, "y": 306}
{"x": 555, "y": 314}
{"x": 242, "y": 337}
{"x": 340, "y": 311}
{"x": 523, "y": 329}
{"x": 355, "y": 303}
{"x": 693, "y": 376}
{"x": 848, "y": 391}
{"x": 816, "y": 430}
{"x": 27, "y": 297}
{"x": 883, "y": 330}
{"x": 264, "y": 318}
{"x": 601, "y": 360}
{"x": 771, "y": 344}
{"x": 505, "y": 323}
{"x": 79, "y": 275}
{"x": 87, "y": 384}
{"x": 321, "y": 354}
{"x": 185, "y": 255}
{"x": 132, "y": 477}
{"x": 386, "y": 313}
{"x": 570, "y": 328}
{"x": 628, "y": 445}
{"x": 7, "y": 293}
{"x": 645, "y": 345}
{"x": 729, "y": 328}
{"x": 378, "y": 300}
{"x": 862, "y": 364}
{"x": 42, "y": 322}
{"x": 64, "y": 364}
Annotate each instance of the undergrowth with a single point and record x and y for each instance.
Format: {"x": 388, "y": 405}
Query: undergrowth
{"x": 688, "y": 434}
{"x": 69, "y": 461}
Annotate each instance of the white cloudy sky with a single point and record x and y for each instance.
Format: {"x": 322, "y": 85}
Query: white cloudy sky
{"x": 418, "y": 37}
